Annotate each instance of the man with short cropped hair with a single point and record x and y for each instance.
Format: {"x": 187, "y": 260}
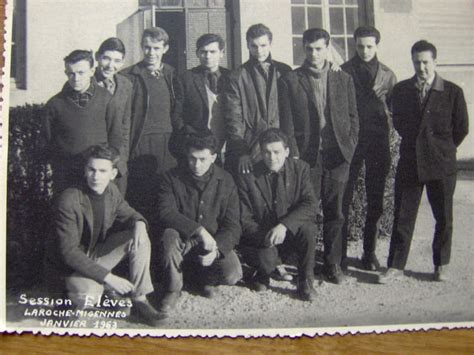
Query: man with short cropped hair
{"x": 199, "y": 101}
{"x": 252, "y": 100}
{"x": 82, "y": 251}
{"x": 110, "y": 57}
{"x": 430, "y": 115}
{"x": 319, "y": 114}
{"x": 278, "y": 209}
{"x": 153, "y": 104}
{"x": 198, "y": 220}
{"x": 79, "y": 116}
{"x": 373, "y": 83}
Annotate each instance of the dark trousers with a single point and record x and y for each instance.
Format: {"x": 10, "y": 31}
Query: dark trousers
{"x": 375, "y": 153}
{"x": 407, "y": 200}
{"x": 266, "y": 259}
{"x": 329, "y": 186}
{"x": 178, "y": 256}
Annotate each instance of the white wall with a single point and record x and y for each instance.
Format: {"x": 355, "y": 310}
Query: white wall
{"x": 401, "y": 28}
{"x": 276, "y": 14}
{"x": 54, "y": 29}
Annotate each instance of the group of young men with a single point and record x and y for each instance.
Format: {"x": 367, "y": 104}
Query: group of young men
{"x": 220, "y": 167}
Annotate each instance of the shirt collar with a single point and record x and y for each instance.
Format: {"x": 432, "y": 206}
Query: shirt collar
{"x": 89, "y": 92}
{"x": 256, "y": 62}
{"x": 429, "y": 81}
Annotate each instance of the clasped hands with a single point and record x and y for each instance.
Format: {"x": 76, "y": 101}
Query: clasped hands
{"x": 209, "y": 244}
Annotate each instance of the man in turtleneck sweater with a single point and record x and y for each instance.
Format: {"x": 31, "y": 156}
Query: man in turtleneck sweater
{"x": 319, "y": 114}
{"x": 373, "y": 82}
{"x": 198, "y": 223}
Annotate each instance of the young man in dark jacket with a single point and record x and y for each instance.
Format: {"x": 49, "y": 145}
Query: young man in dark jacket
{"x": 319, "y": 113}
{"x": 81, "y": 115}
{"x": 153, "y": 104}
{"x": 82, "y": 251}
{"x": 199, "y": 97}
{"x": 198, "y": 221}
{"x": 373, "y": 83}
{"x": 252, "y": 100}
{"x": 278, "y": 214}
{"x": 109, "y": 57}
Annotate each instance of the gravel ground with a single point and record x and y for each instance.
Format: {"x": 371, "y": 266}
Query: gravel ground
{"x": 358, "y": 302}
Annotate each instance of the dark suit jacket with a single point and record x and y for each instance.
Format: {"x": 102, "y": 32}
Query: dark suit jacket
{"x": 192, "y": 106}
{"x": 373, "y": 105}
{"x": 244, "y": 119}
{"x": 181, "y": 206}
{"x": 141, "y": 98}
{"x": 299, "y": 117}
{"x": 70, "y": 243}
{"x": 431, "y": 134}
{"x": 297, "y": 201}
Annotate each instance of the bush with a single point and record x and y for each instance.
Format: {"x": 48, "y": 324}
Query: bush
{"x": 28, "y": 197}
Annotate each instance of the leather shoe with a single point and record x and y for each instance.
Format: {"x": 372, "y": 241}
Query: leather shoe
{"x": 168, "y": 302}
{"x": 209, "y": 291}
{"x": 260, "y": 282}
{"x": 440, "y": 274}
{"x": 305, "y": 290}
{"x": 280, "y": 274}
{"x": 370, "y": 262}
{"x": 147, "y": 313}
{"x": 334, "y": 274}
{"x": 390, "y": 275}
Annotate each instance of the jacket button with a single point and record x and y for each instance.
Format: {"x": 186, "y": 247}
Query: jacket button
{"x": 201, "y": 202}
{"x": 200, "y": 216}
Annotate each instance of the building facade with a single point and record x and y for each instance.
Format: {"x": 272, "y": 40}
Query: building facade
{"x": 45, "y": 31}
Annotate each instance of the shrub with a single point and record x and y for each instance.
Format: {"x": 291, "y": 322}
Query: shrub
{"x": 28, "y": 197}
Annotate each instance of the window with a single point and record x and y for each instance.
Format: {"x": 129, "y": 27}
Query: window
{"x": 339, "y": 17}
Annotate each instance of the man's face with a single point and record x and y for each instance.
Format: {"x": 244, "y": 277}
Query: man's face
{"x": 424, "y": 64}
{"x": 109, "y": 63}
{"x": 199, "y": 161}
{"x": 260, "y": 48}
{"x": 79, "y": 75}
{"x": 274, "y": 155}
{"x": 99, "y": 173}
{"x": 366, "y": 48}
{"x": 153, "y": 51}
{"x": 316, "y": 52}
{"x": 210, "y": 55}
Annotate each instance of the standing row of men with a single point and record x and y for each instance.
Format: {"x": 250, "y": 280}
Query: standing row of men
{"x": 289, "y": 138}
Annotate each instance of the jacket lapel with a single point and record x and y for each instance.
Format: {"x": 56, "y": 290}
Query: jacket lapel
{"x": 198, "y": 79}
{"x": 264, "y": 189}
{"x": 88, "y": 218}
{"x": 306, "y": 85}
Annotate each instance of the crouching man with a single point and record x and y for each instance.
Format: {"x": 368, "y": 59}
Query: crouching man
{"x": 198, "y": 215}
{"x": 278, "y": 209}
{"x": 82, "y": 251}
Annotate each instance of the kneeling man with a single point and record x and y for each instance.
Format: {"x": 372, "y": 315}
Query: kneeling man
{"x": 82, "y": 251}
{"x": 278, "y": 209}
{"x": 198, "y": 214}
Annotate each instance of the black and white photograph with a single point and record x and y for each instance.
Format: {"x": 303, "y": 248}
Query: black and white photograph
{"x": 237, "y": 167}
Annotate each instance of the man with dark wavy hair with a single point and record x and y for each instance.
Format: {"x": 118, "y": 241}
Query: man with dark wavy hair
{"x": 373, "y": 83}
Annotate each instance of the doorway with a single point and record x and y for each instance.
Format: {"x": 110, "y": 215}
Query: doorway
{"x": 173, "y": 22}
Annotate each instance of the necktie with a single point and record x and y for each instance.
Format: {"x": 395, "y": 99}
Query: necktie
{"x": 265, "y": 70}
{"x": 212, "y": 79}
{"x": 110, "y": 85}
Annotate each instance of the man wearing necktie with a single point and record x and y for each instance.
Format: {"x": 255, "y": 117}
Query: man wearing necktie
{"x": 199, "y": 102}
{"x": 110, "y": 56}
{"x": 430, "y": 115}
{"x": 252, "y": 100}
{"x": 153, "y": 104}
{"x": 278, "y": 213}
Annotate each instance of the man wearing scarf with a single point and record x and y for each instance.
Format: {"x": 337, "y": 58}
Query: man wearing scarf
{"x": 319, "y": 113}
{"x": 373, "y": 83}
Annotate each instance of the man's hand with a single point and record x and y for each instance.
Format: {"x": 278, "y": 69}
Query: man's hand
{"x": 335, "y": 68}
{"x": 208, "y": 259}
{"x": 276, "y": 235}
{"x": 119, "y": 284}
{"x": 245, "y": 164}
{"x": 207, "y": 240}
{"x": 139, "y": 231}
